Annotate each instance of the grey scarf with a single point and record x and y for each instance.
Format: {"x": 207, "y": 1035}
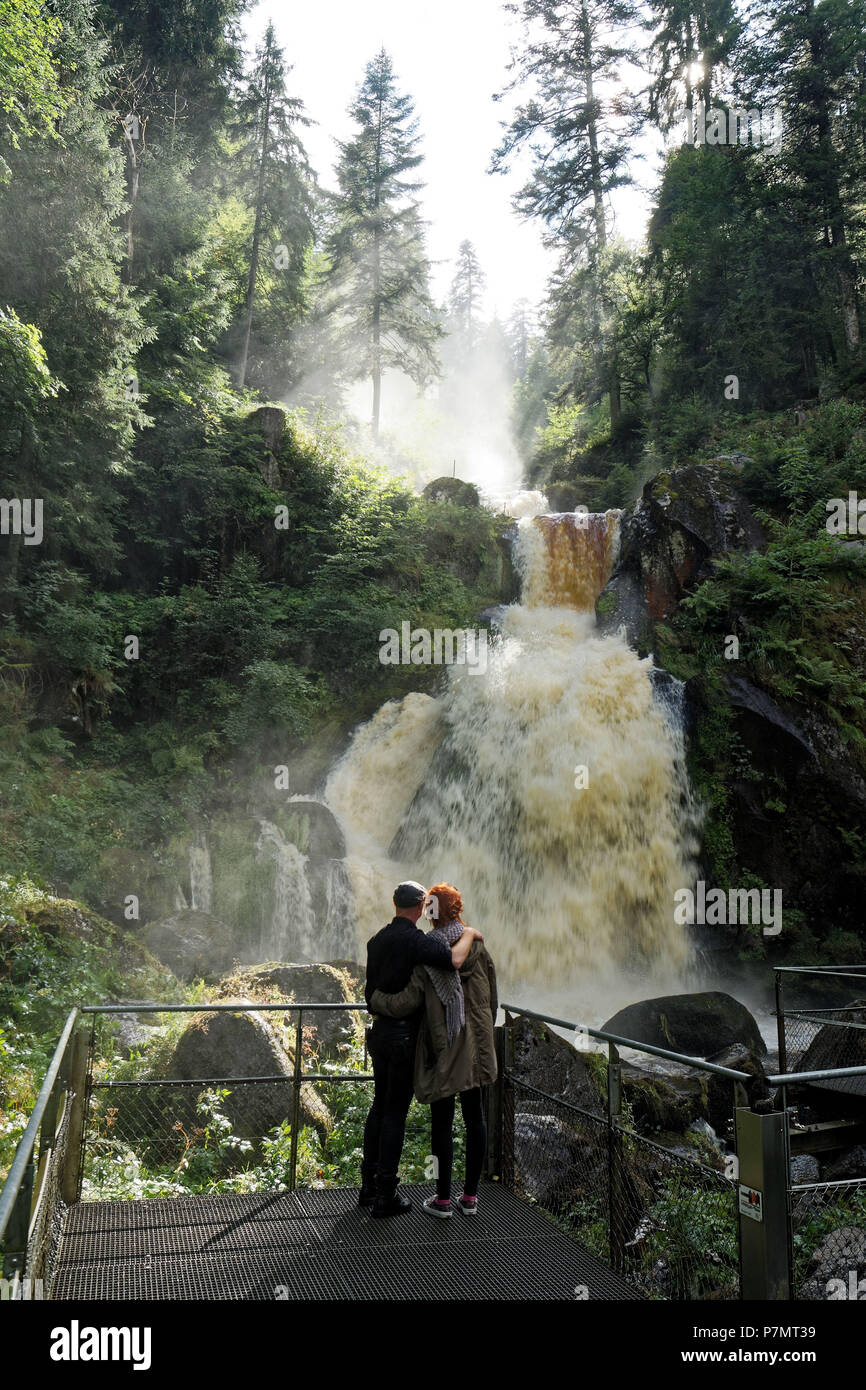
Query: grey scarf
{"x": 447, "y": 983}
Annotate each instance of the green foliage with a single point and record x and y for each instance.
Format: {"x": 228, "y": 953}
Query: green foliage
{"x": 30, "y": 96}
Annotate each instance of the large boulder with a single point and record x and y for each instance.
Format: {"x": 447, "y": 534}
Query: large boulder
{"x": 244, "y": 1044}
{"x": 685, "y": 516}
{"x": 837, "y": 1046}
{"x": 325, "y": 1032}
{"x": 721, "y": 1097}
{"x": 547, "y": 1158}
{"x": 541, "y": 1058}
{"x": 193, "y": 944}
{"x": 694, "y": 1024}
{"x": 663, "y": 1105}
{"x": 850, "y": 1164}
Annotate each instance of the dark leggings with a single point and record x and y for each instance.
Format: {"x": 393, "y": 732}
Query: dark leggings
{"x": 442, "y": 1141}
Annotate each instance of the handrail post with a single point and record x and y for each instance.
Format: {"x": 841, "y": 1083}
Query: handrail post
{"x": 616, "y": 1235}
{"x": 506, "y": 1156}
{"x": 296, "y": 1100}
{"x": 780, "y": 1026}
{"x": 495, "y": 1109}
{"x": 73, "y": 1167}
{"x": 14, "y": 1243}
{"x": 763, "y": 1204}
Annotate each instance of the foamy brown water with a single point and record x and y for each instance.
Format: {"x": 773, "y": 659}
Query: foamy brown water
{"x": 573, "y": 888}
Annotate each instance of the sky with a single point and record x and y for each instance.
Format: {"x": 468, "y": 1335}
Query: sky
{"x": 450, "y": 56}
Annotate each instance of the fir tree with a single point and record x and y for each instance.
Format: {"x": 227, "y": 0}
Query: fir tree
{"x": 580, "y": 141}
{"x": 467, "y": 289}
{"x": 279, "y": 181}
{"x": 379, "y": 270}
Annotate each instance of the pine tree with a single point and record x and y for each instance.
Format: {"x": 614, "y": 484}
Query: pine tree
{"x": 810, "y": 62}
{"x": 692, "y": 40}
{"x": 467, "y": 289}
{"x": 581, "y": 143}
{"x": 521, "y": 328}
{"x": 61, "y": 254}
{"x": 281, "y": 179}
{"x": 379, "y": 271}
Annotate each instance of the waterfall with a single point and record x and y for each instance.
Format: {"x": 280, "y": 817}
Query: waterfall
{"x": 291, "y": 933}
{"x": 572, "y": 884}
{"x": 566, "y": 558}
{"x": 339, "y": 943}
{"x": 200, "y": 876}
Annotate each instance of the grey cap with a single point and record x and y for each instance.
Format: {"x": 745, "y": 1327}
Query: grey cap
{"x": 409, "y": 894}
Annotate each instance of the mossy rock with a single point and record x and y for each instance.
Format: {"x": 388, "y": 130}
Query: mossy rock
{"x": 694, "y": 1024}
{"x": 453, "y": 490}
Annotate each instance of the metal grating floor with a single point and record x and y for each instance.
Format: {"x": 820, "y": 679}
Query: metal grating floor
{"x": 319, "y": 1245}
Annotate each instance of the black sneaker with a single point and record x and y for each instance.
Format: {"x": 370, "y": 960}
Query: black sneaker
{"x": 390, "y": 1206}
{"x": 366, "y": 1196}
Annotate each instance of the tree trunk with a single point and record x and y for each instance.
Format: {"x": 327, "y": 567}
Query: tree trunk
{"x": 829, "y": 186}
{"x": 690, "y": 91}
{"x": 592, "y": 127}
{"x": 257, "y": 232}
{"x": 126, "y": 275}
{"x": 597, "y": 191}
{"x": 377, "y": 285}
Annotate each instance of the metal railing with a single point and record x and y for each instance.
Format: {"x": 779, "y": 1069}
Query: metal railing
{"x": 160, "y": 1124}
{"x": 663, "y": 1217}
{"x": 827, "y": 1220}
{"x": 38, "y": 1185}
{"x": 811, "y": 1029}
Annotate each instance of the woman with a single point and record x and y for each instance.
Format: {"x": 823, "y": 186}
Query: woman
{"x": 455, "y": 1054}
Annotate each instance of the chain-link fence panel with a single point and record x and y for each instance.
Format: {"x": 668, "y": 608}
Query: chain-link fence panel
{"x": 821, "y": 1039}
{"x": 667, "y": 1223}
{"x": 48, "y": 1225}
{"x": 190, "y": 1102}
{"x": 828, "y": 1222}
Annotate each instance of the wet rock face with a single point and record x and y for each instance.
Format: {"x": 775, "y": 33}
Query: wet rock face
{"x": 548, "y": 1062}
{"x": 684, "y": 517}
{"x": 801, "y": 756}
{"x": 192, "y": 943}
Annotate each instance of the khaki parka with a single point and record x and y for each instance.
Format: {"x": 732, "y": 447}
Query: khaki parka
{"x": 470, "y": 1061}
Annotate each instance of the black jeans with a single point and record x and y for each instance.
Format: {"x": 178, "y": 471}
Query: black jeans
{"x": 442, "y": 1140}
{"x": 392, "y": 1052}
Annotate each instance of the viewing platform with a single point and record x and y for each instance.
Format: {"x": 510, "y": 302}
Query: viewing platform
{"x": 318, "y": 1244}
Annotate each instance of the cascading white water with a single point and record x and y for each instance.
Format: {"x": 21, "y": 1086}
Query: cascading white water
{"x": 200, "y": 874}
{"x": 572, "y": 884}
{"x": 339, "y": 935}
{"x": 291, "y": 933}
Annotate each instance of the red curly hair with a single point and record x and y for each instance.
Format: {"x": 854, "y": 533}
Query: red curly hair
{"x": 449, "y": 901}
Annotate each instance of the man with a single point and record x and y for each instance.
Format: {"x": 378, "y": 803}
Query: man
{"x": 392, "y": 955}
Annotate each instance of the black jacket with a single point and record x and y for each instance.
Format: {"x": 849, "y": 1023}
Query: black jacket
{"x": 392, "y": 955}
